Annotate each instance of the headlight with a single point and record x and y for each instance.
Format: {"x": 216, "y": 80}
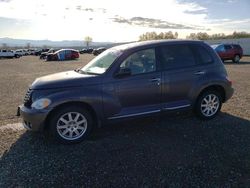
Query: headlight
{"x": 41, "y": 103}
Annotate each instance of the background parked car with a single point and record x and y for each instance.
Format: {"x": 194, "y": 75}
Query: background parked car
{"x": 31, "y": 51}
{"x": 232, "y": 52}
{"x": 99, "y": 50}
{"x": 63, "y": 54}
{"x": 20, "y": 52}
{"x": 44, "y": 54}
{"x": 39, "y": 51}
{"x": 83, "y": 51}
{"x": 86, "y": 50}
{"x": 26, "y": 52}
{"x": 8, "y": 54}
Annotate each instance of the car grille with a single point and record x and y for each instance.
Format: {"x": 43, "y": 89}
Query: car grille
{"x": 28, "y": 98}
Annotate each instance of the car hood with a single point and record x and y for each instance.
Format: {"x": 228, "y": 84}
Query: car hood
{"x": 63, "y": 80}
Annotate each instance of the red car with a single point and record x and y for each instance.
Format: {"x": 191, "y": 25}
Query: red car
{"x": 64, "y": 54}
{"x": 232, "y": 52}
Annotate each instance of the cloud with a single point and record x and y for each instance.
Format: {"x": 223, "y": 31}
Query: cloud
{"x": 204, "y": 11}
{"x": 79, "y": 7}
{"x": 153, "y": 23}
{"x": 221, "y": 22}
{"x": 232, "y": 1}
{"x": 69, "y": 19}
{"x": 89, "y": 9}
{"x": 4, "y": 1}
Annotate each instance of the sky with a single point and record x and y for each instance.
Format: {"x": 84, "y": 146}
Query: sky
{"x": 119, "y": 21}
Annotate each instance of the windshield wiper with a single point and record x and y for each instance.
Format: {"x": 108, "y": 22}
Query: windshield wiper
{"x": 85, "y": 72}
{"x": 77, "y": 70}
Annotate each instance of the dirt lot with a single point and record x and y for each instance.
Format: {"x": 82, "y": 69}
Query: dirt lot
{"x": 17, "y": 74}
{"x": 174, "y": 151}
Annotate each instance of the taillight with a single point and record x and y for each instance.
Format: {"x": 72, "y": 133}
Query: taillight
{"x": 230, "y": 81}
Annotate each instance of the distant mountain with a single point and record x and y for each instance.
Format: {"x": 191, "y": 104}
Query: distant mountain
{"x": 10, "y": 42}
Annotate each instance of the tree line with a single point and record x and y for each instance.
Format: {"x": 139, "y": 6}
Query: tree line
{"x": 193, "y": 36}
{"x": 155, "y": 36}
{"x": 205, "y": 36}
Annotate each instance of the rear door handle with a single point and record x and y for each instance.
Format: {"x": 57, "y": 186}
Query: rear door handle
{"x": 200, "y": 73}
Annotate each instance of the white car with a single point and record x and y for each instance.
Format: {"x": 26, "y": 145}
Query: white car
{"x": 20, "y": 52}
{"x": 8, "y": 54}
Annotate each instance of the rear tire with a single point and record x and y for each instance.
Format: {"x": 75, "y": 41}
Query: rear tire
{"x": 208, "y": 104}
{"x": 236, "y": 59}
{"x": 70, "y": 124}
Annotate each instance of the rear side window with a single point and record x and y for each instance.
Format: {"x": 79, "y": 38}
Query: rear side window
{"x": 68, "y": 52}
{"x": 176, "y": 56}
{"x": 202, "y": 54}
{"x": 228, "y": 47}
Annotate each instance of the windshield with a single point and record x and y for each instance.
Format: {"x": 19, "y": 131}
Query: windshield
{"x": 102, "y": 62}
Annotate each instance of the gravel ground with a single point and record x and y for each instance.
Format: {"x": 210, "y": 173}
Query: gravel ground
{"x": 17, "y": 74}
{"x": 173, "y": 151}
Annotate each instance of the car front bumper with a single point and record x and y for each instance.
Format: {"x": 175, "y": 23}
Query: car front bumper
{"x": 33, "y": 119}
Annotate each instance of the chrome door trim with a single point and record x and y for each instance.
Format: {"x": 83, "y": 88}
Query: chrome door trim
{"x": 177, "y": 107}
{"x": 135, "y": 114}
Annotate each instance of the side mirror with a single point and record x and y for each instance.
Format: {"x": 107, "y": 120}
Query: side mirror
{"x": 123, "y": 72}
{"x": 78, "y": 69}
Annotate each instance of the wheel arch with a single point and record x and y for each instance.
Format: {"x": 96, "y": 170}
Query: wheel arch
{"x": 84, "y": 105}
{"x": 215, "y": 87}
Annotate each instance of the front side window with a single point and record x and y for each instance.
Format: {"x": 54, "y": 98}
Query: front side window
{"x": 220, "y": 48}
{"x": 176, "y": 56}
{"x": 68, "y": 52}
{"x": 140, "y": 62}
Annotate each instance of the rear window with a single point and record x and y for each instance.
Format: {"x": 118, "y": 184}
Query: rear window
{"x": 237, "y": 46}
{"x": 176, "y": 56}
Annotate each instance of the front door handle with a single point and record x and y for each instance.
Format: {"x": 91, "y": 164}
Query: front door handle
{"x": 156, "y": 80}
{"x": 200, "y": 73}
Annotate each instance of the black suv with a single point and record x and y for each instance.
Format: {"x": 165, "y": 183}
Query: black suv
{"x": 128, "y": 81}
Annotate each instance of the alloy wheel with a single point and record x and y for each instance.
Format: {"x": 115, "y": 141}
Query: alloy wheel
{"x": 210, "y": 105}
{"x": 71, "y": 125}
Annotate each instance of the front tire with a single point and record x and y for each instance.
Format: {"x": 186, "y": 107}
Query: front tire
{"x": 71, "y": 124}
{"x": 208, "y": 104}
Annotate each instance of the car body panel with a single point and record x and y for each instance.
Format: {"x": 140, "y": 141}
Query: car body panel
{"x": 132, "y": 95}
{"x": 63, "y": 79}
